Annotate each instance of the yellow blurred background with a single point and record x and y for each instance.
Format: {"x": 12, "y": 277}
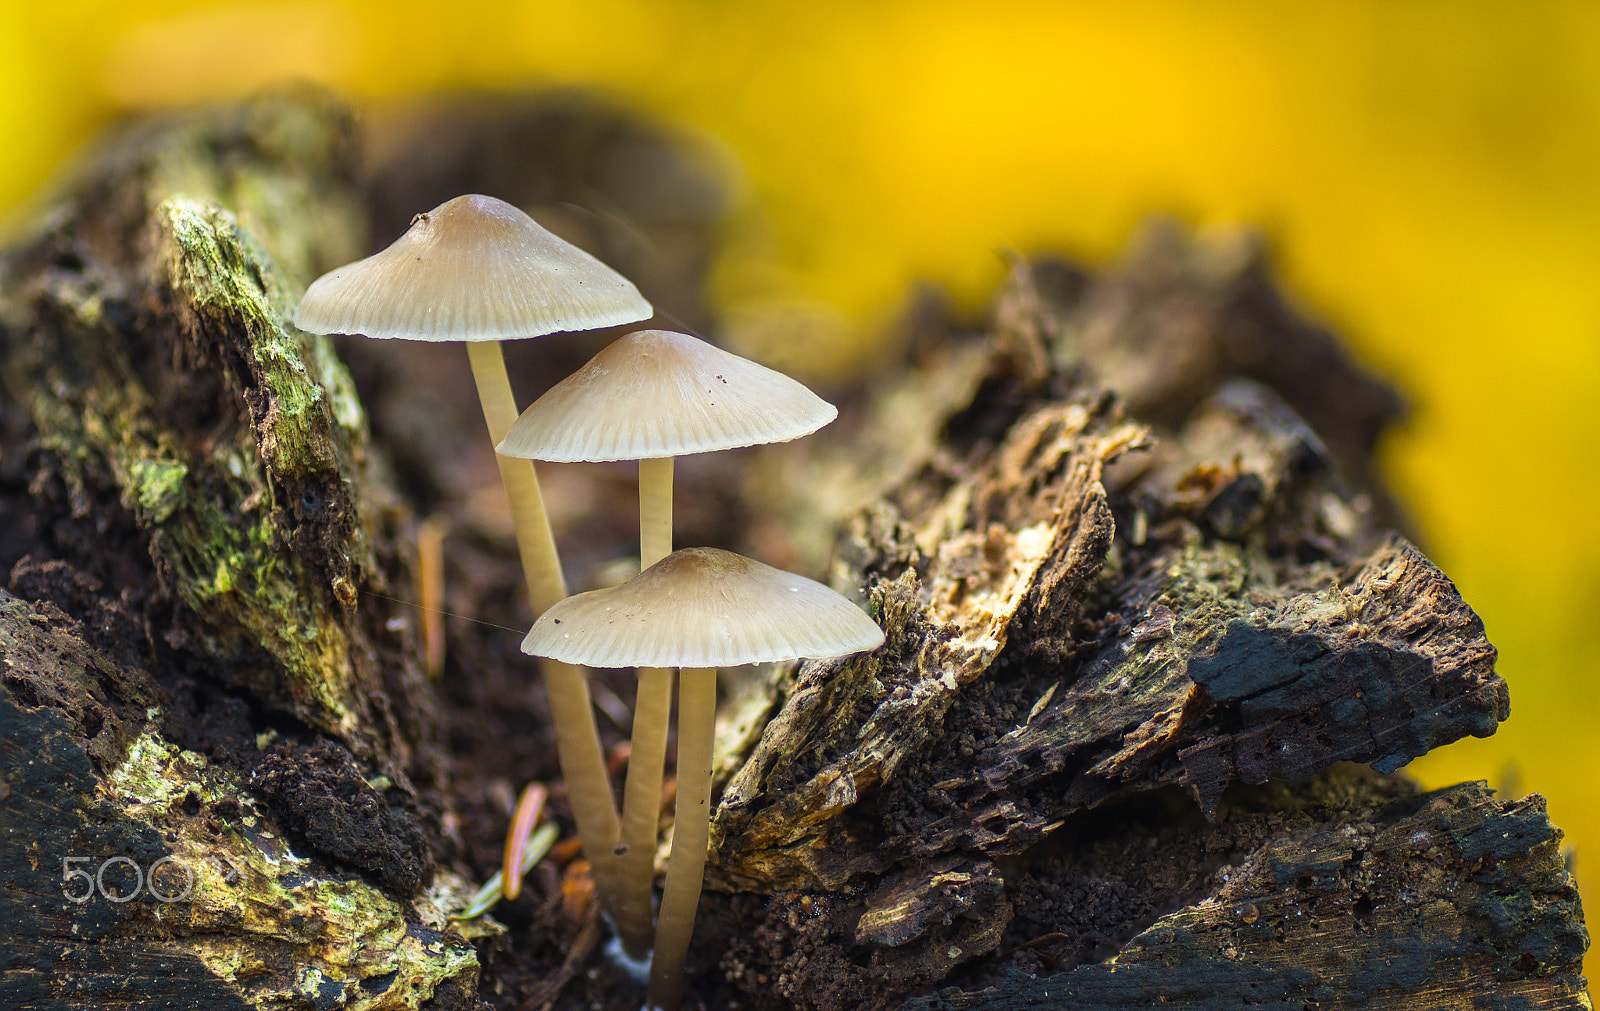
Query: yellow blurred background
{"x": 1429, "y": 171}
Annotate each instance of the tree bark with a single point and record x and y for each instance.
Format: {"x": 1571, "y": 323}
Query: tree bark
{"x": 1086, "y": 613}
{"x": 200, "y": 500}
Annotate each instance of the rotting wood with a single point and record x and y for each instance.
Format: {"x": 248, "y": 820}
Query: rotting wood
{"x": 1079, "y": 612}
{"x": 1218, "y": 659}
{"x": 190, "y": 891}
{"x": 200, "y": 497}
{"x": 145, "y": 339}
{"x": 1397, "y": 904}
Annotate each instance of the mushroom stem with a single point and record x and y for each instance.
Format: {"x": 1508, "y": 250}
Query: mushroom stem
{"x": 541, "y": 566}
{"x": 577, "y": 739}
{"x": 652, "y": 714}
{"x": 583, "y": 766}
{"x": 691, "y": 831}
{"x": 641, "y": 809}
{"x": 655, "y": 510}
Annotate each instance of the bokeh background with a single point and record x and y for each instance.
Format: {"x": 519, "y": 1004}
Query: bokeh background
{"x": 1428, "y": 171}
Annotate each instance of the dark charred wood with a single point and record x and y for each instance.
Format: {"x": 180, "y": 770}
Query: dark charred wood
{"x": 1391, "y": 904}
{"x": 142, "y": 875}
{"x": 1081, "y": 611}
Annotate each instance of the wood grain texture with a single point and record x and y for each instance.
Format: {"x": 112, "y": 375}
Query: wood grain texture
{"x": 1083, "y": 609}
{"x": 1396, "y": 904}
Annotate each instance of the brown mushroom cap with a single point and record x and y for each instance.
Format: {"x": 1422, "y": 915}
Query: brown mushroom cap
{"x": 473, "y": 268}
{"x": 656, "y": 393}
{"x": 703, "y": 607}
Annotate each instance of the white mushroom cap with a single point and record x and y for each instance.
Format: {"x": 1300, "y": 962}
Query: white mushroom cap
{"x": 474, "y": 268}
{"x": 656, "y": 393}
{"x": 703, "y": 607}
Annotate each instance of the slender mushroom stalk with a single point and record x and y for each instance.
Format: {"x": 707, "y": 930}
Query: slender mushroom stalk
{"x": 678, "y": 613}
{"x": 652, "y": 713}
{"x": 651, "y": 396}
{"x": 479, "y": 270}
{"x": 583, "y": 766}
{"x": 691, "y": 835}
{"x": 641, "y": 809}
{"x": 536, "y": 544}
{"x": 583, "y": 763}
{"x": 655, "y": 510}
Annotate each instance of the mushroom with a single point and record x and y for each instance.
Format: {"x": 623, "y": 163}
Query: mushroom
{"x": 698, "y": 609}
{"x": 477, "y": 269}
{"x": 654, "y": 395}
{"x": 651, "y": 396}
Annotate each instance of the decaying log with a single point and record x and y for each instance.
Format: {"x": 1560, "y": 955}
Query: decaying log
{"x": 93, "y": 787}
{"x": 1080, "y": 611}
{"x": 1144, "y": 601}
{"x": 201, "y": 499}
{"x": 1397, "y": 903}
{"x": 1242, "y": 634}
{"x": 146, "y": 345}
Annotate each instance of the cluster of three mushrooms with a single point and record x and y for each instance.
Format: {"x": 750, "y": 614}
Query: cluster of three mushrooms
{"x": 479, "y": 270}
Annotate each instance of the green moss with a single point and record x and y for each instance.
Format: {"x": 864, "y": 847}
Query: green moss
{"x": 210, "y": 516}
{"x": 244, "y": 580}
{"x": 157, "y": 486}
{"x": 255, "y": 903}
{"x": 111, "y": 423}
{"x": 242, "y": 575}
{"x": 222, "y": 268}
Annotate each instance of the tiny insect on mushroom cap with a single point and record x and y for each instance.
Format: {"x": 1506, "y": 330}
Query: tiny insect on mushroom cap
{"x": 655, "y": 393}
{"x": 474, "y": 268}
{"x": 703, "y": 607}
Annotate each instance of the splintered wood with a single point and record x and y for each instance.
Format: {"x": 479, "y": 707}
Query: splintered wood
{"x": 1082, "y": 609}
